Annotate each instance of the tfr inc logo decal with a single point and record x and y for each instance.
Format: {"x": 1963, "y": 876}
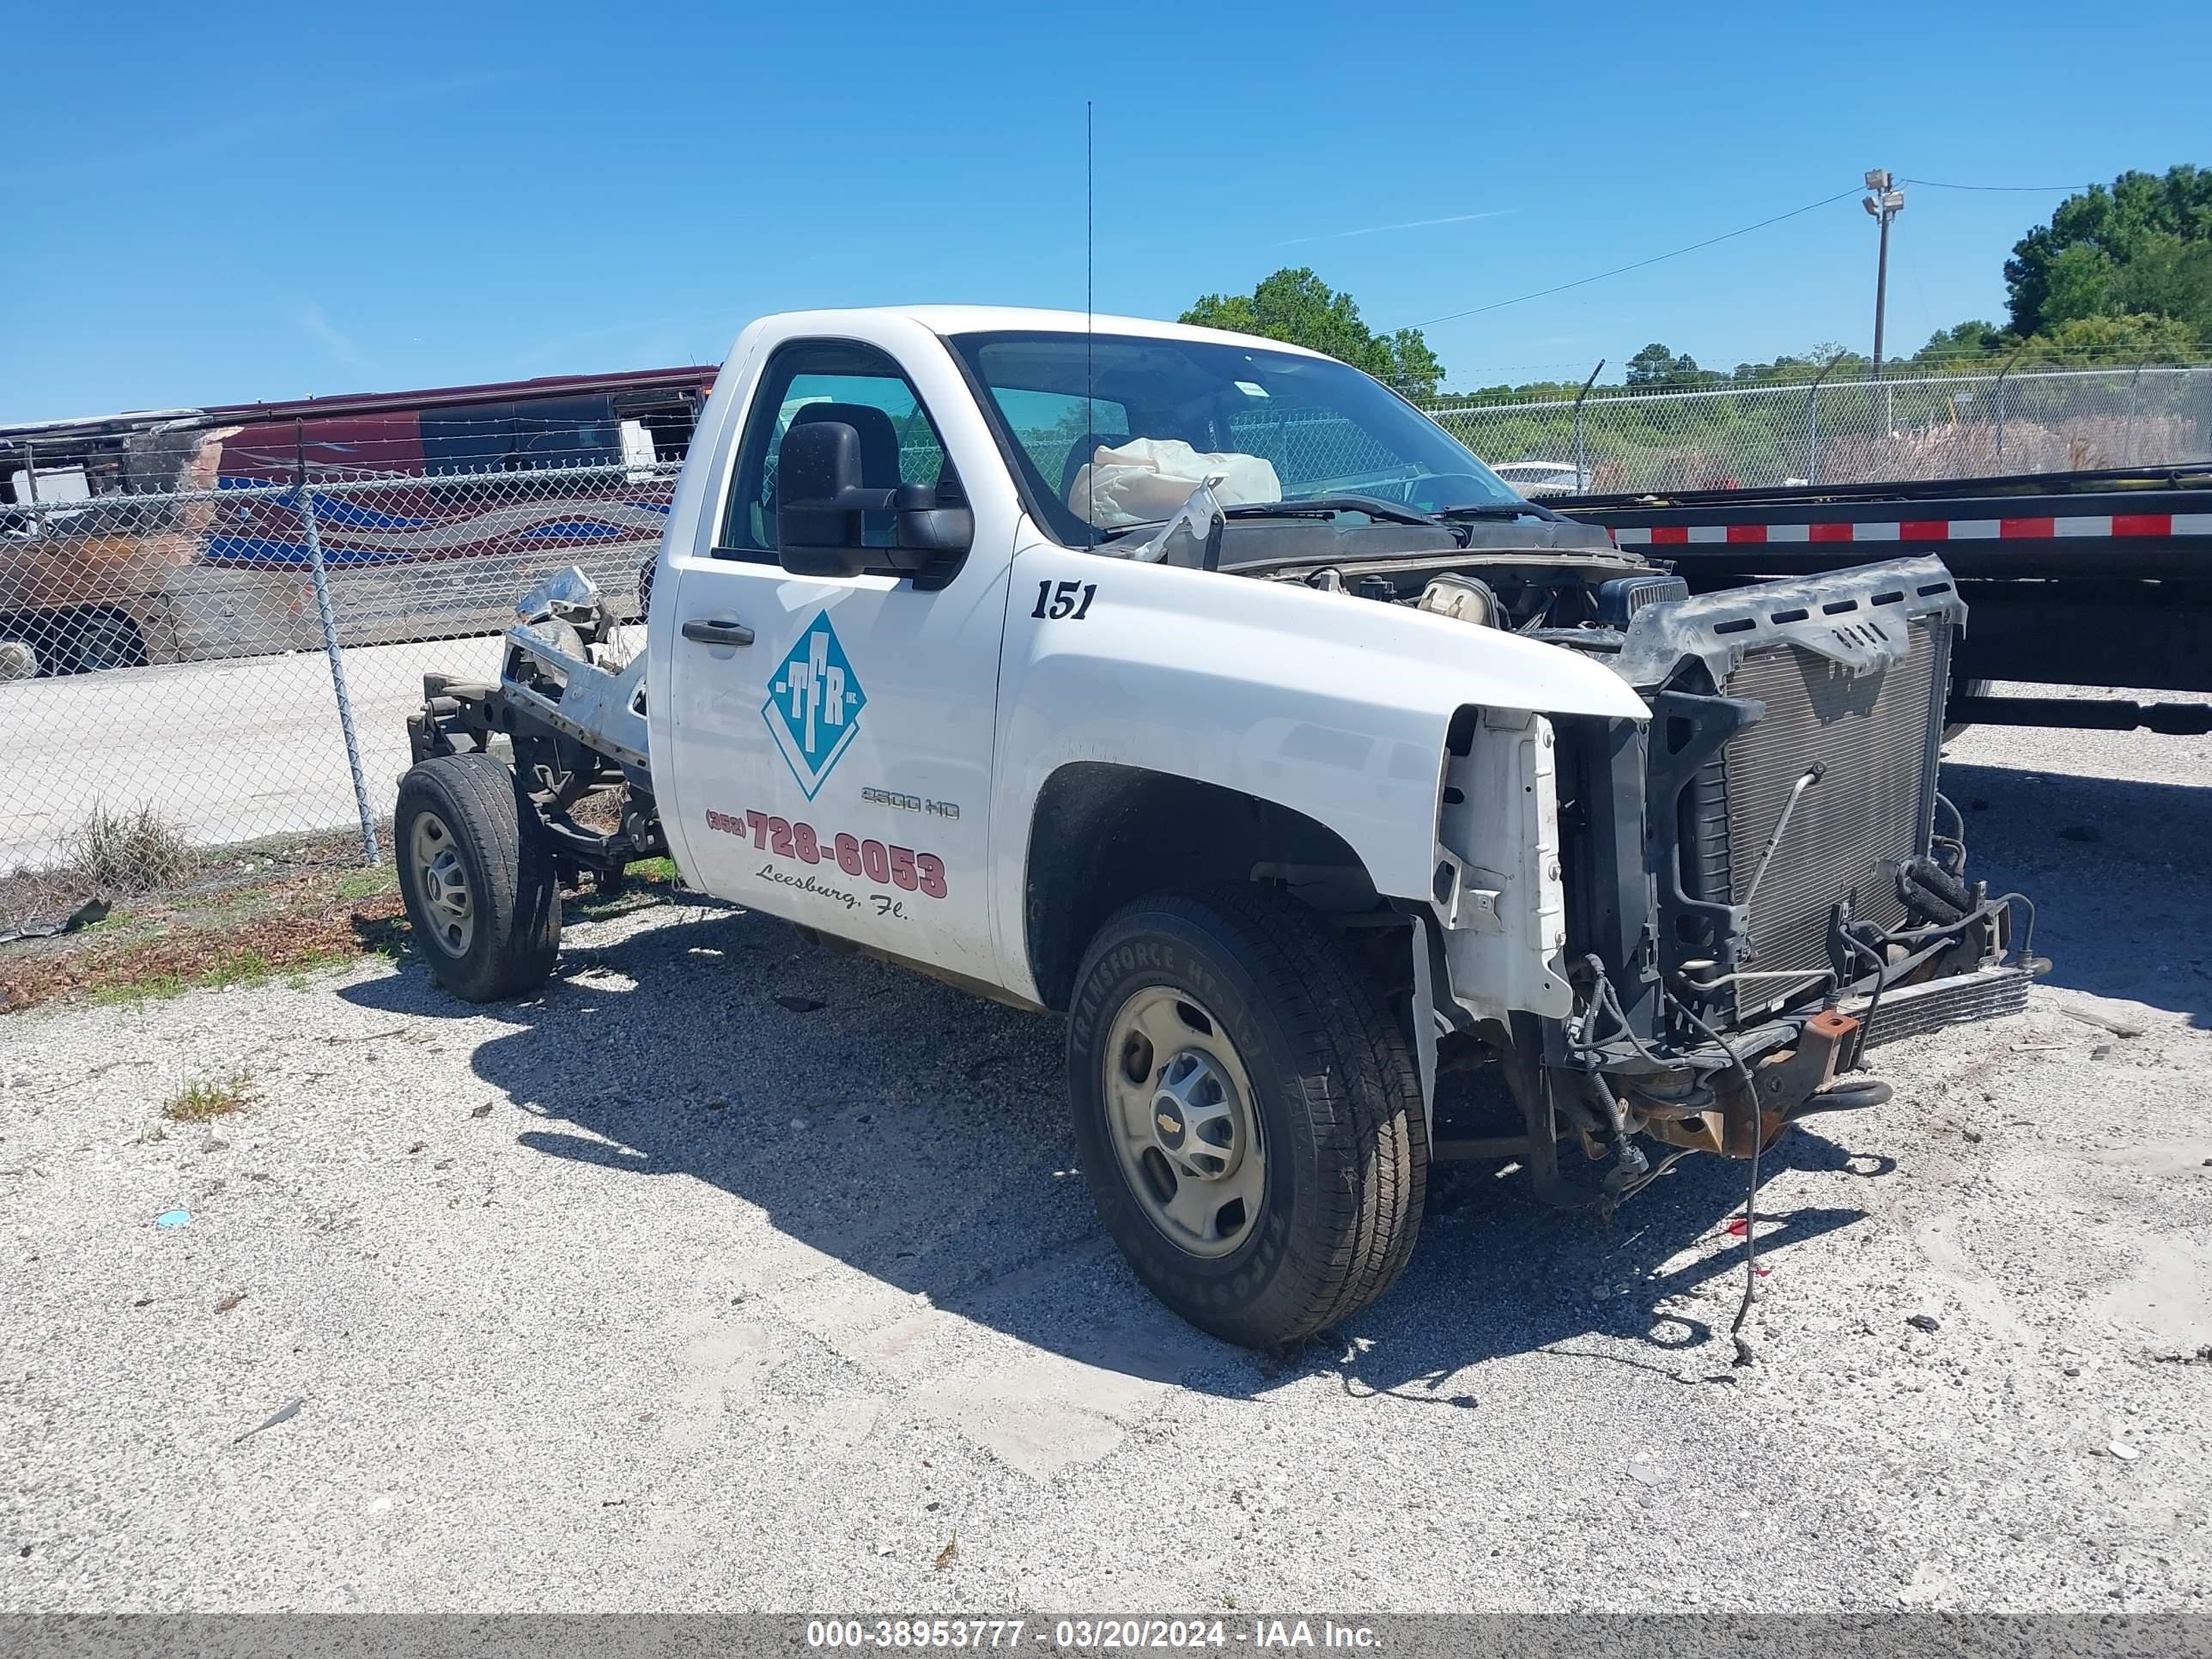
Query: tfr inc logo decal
{"x": 813, "y": 704}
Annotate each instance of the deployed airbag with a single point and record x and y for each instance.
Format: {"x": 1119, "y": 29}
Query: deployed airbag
{"x": 1148, "y": 478}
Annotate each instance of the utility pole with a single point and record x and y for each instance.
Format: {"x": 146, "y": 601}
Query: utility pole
{"x": 1884, "y": 203}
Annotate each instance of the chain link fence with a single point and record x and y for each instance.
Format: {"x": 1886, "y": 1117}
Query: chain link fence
{"x": 231, "y": 669}
{"x": 221, "y": 676}
{"x": 1951, "y": 426}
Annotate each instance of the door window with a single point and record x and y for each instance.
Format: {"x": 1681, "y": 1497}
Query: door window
{"x": 831, "y": 380}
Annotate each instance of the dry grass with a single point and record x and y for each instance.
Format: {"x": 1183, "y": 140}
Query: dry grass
{"x": 199, "y": 1100}
{"x": 288, "y": 928}
{"x": 245, "y": 917}
{"x": 130, "y": 852}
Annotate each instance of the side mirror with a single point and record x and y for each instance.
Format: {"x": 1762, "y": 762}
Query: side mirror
{"x": 823, "y": 512}
{"x": 934, "y": 525}
{"x": 817, "y": 518}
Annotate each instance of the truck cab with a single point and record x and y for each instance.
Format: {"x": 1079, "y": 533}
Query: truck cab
{"x": 1197, "y": 688}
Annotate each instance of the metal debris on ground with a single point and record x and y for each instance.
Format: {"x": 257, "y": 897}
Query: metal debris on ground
{"x": 283, "y": 1413}
{"x": 2116, "y": 1025}
{"x": 85, "y": 914}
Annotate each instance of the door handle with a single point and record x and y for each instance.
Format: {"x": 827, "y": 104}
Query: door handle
{"x": 718, "y": 630}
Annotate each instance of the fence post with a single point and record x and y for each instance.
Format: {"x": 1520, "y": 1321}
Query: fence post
{"x": 2128, "y": 432}
{"x": 1581, "y": 466}
{"x": 31, "y": 489}
{"x": 2000, "y": 395}
{"x": 1812, "y": 434}
{"x": 307, "y": 498}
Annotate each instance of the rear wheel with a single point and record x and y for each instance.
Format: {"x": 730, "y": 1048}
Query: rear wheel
{"x": 476, "y": 874}
{"x": 100, "y": 639}
{"x": 1249, "y": 1118}
{"x": 1964, "y": 687}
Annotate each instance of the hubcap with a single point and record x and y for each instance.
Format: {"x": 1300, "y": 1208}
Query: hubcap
{"x": 1179, "y": 1104}
{"x": 448, "y": 905}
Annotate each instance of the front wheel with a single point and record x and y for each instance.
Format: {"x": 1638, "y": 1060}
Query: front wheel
{"x": 477, "y": 877}
{"x": 1249, "y": 1115}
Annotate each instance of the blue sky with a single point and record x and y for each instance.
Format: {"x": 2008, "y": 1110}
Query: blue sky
{"x": 227, "y": 206}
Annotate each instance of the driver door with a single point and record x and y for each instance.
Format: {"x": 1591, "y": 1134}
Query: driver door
{"x": 833, "y": 734}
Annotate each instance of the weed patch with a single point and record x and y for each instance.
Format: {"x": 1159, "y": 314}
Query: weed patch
{"x": 130, "y": 852}
{"x": 198, "y": 1102}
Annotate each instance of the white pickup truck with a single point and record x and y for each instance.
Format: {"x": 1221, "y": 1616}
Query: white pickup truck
{"x": 1356, "y": 812}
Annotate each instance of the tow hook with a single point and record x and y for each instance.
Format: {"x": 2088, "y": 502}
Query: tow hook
{"x": 1852, "y": 1095}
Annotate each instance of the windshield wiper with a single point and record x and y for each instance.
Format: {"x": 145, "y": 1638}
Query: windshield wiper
{"x": 1205, "y": 518}
{"x": 1497, "y": 510}
{"x": 1327, "y": 507}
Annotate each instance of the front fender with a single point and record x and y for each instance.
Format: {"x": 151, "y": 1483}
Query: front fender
{"x": 1332, "y": 706}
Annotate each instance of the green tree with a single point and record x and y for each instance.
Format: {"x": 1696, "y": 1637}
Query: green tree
{"x": 1297, "y": 306}
{"x": 1962, "y": 342}
{"x": 2102, "y": 341}
{"x": 1655, "y": 368}
{"x": 2144, "y": 246}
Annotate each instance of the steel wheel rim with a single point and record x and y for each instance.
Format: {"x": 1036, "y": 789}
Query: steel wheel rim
{"x": 1185, "y": 1128}
{"x": 102, "y": 646}
{"x": 441, "y": 878}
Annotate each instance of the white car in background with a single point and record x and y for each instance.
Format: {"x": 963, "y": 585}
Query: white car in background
{"x": 1536, "y": 478}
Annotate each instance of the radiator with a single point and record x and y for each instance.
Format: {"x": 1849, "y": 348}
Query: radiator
{"x": 1872, "y": 808}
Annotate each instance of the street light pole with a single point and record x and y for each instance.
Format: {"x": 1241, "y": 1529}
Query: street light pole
{"x": 1884, "y": 203}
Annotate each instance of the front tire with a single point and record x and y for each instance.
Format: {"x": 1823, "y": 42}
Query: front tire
{"x": 477, "y": 877}
{"x": 1249, "y": 1115}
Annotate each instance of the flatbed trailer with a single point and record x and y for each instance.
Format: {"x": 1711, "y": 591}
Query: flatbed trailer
{"x": 2088, "y": 578}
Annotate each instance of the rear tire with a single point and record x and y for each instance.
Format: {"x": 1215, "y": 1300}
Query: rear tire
{"x": 478, "y": 876}
{"x": 1960, "y": 688}
{"x": 100, "y": 639}
{"x": 1234, "y": 1020}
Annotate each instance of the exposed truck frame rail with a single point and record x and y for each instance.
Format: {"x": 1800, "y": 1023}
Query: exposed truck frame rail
{"x": 2094, "y": 579}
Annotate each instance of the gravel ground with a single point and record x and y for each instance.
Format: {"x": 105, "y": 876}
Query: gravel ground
{"x": 657, "y": 1293}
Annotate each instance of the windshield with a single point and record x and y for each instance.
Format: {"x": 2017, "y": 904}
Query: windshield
{"x": 1111, "y": 430}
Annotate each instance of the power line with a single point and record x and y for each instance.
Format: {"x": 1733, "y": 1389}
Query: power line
{"x": 1934, "y": 184}
{"x": 1583, "y": 281}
